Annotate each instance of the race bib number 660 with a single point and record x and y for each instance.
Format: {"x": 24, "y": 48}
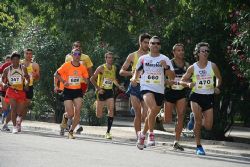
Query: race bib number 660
{"x": 153, "y": 79}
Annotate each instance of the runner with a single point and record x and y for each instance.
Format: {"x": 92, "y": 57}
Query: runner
{"x": 138, "y": 105}
{"x": 103, "y": 79}
{"x": 14, "y": 78}
{"x": 86, "y": 61}
{"x": 6, "y": 117}
{"x": 155, "y": 66}
{"x": 202, "y": 96}
{"x": 175, "y": 94}
{"x": 72, "y": 74}
{"x": 34, "y": 73}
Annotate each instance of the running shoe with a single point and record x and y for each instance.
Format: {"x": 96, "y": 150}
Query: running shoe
{"x": 160, "y": 115}
{"x": 108, "y": 136}
{"x": 79, "y": 130}
{"x": 69, "y": 123}
{"x": 151, "y": 139}
{"x": 140, "y": 141}
{"x": 200, "y": 151}
{"x": 5, "y": 128}
{"x": 190, "y": 125}
{"x": 71, "y": 136}
{"x": 177, "y": 146}
{"x": 62, "y": 131}
{"x": 14, "y": 130}
{"x": 64, "y": 122}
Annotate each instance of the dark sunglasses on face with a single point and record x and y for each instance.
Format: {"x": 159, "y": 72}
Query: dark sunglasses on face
{"x": 204, "y": 51}
{"x": 76, "y": 53}
{"x": 155, "y": 43}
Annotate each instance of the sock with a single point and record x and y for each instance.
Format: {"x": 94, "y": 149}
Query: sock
{"x": 110, "y": 122}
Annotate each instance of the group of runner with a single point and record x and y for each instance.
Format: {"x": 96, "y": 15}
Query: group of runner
{"x": 16, "y": 87}
{"x": 155, "y": 80}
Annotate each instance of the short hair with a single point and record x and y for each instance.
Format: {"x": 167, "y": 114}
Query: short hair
{"x": 28, "y": 50}
{"x": 15, "y": 54}
{"x": 144, "y": 36}
{"x": 76, "y": 42}
{"x": 177, "y": 45}
{"x": 198, "y": 46}
{"x": 155, "y": 37}
{"x": 7, "y": 57}
{"x": 108, "y": 53}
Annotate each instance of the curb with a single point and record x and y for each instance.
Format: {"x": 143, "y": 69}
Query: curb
{"x": 162, "y": 136}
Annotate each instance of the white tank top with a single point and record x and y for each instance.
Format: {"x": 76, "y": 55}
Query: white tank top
{"x": 153, "y": 77}
{"x": 204, "y": 79}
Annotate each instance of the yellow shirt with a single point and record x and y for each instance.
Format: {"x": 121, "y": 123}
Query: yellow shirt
{"x": 29, "y": 70}
{"x": 106, "y": 79}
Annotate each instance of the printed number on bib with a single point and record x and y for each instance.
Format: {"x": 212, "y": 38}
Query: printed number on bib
{"x": 177, "y": 85}
{"x": 205, "y": 84}
{"x": 153, "y": 79}
{"x": 74, "y": 80}
{"x": 16, "y": 79}
{"x": 107, "y": 83}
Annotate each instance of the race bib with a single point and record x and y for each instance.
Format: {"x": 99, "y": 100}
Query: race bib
{"x": 205, "y": 83}
{"x": 74, "y": 80}
{"x": 177, "y": 85}
{"x": 107, "y": 83}
{"x": 16, "y": 79}
{"x": 153, "y": 79}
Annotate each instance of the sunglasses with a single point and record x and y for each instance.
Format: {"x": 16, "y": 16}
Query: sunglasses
{"x": 204, "y": 51}
{"x": 155, "y": 43}
{"x": 76, "y": 53}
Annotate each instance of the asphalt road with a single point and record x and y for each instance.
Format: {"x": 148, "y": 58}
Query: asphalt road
{"x": 47, "y": 149}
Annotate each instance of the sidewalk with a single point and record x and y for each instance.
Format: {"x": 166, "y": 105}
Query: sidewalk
{"x": 123, "y": 131}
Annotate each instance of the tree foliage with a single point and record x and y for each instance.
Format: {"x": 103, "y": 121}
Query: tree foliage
{"x": 50, "y": 27}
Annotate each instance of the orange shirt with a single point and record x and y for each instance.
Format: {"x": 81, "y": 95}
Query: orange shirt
{"x": 73, "y": 75}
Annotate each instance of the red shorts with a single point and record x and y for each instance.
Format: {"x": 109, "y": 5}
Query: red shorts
{"x": 18, "y": 95}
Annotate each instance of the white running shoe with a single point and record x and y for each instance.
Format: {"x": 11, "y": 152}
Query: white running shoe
{"x": 151, "y": 139}
{"x": 140, "y": 141}
{"x": 14, "y": 130}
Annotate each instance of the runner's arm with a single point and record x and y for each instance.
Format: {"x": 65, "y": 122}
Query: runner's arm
{"x": 36, "y": 72}
{"x": 58, "y": 77}
{"x": 26, "y": 76}
{"x": 217, "y": 75}
{"x": 218, "y": 78}
{"x": 124, "y": 70}
{"x": 93, "y": 79}
{"x": 4, "y": 76}
{"x": 186, "y": 78}
{"x": 169, "y": 69}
